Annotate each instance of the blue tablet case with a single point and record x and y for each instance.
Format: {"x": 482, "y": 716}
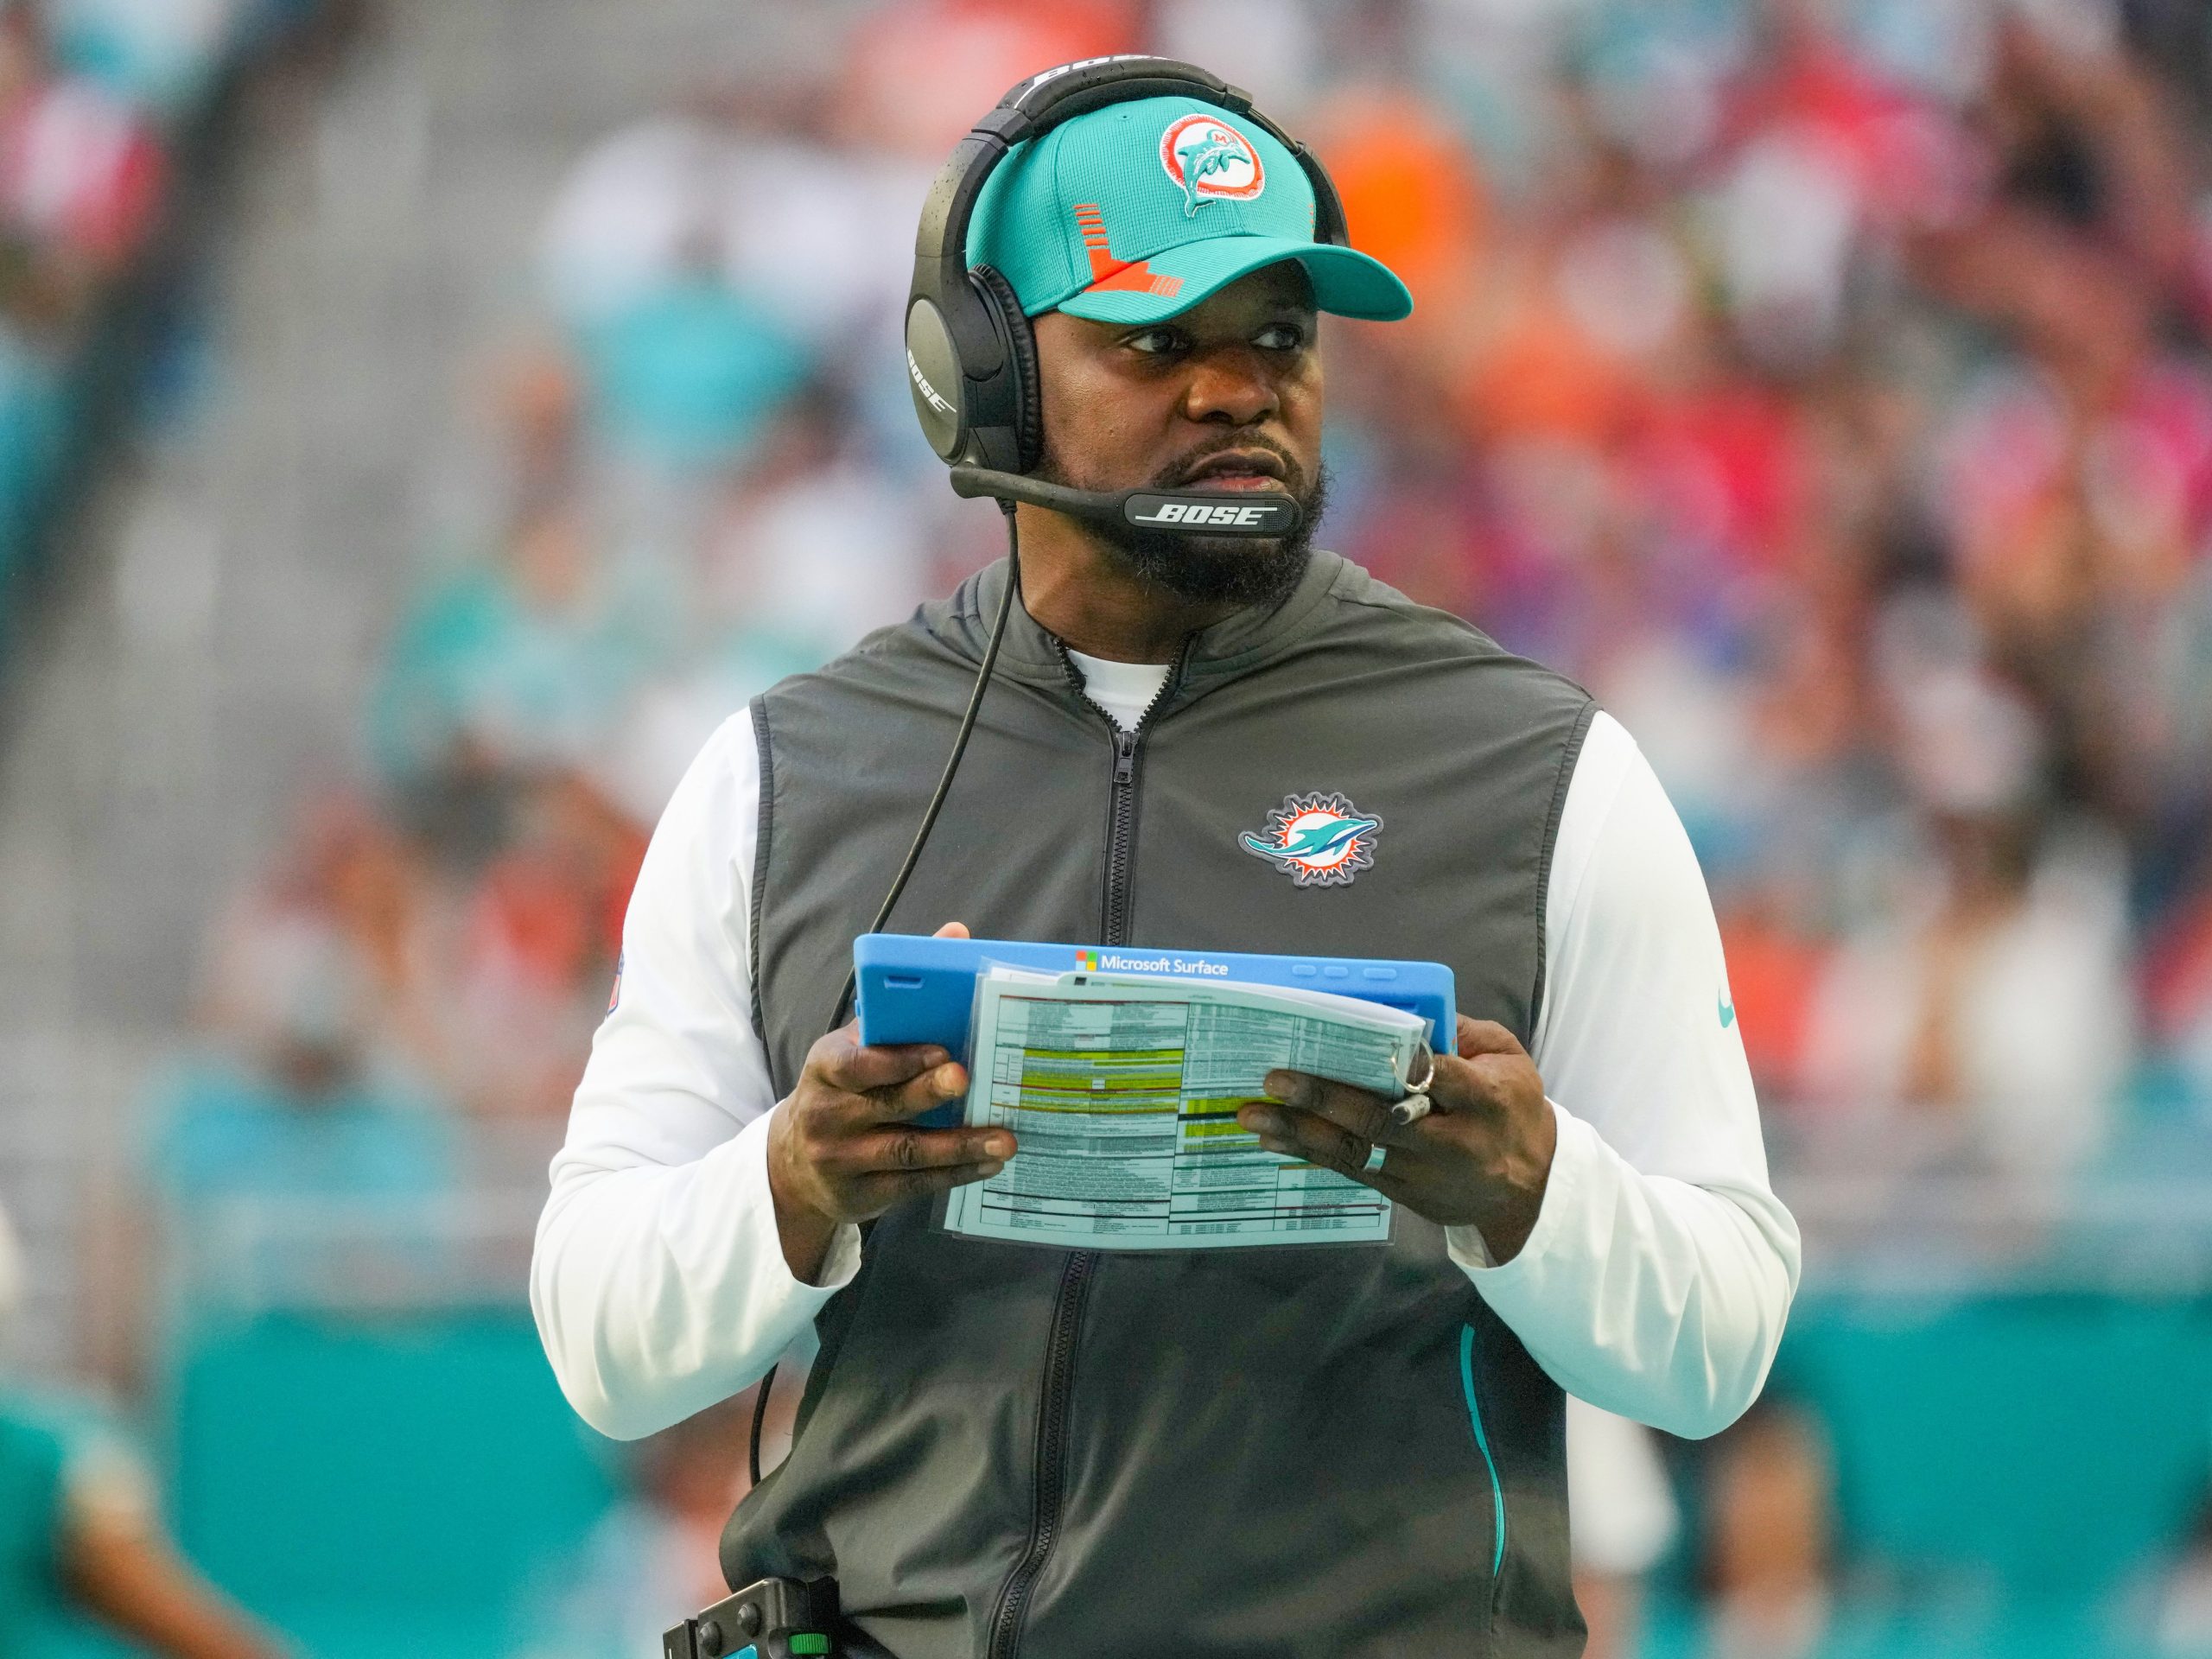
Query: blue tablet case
{"x": 917, "y": 989}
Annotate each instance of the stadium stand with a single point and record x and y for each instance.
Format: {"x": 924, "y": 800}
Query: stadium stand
{"x": 1828, "y": 387}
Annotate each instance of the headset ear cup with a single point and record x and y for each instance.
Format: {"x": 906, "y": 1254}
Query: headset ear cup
{"x": 1021, "y": 338}
{"x": 934, "y": 378}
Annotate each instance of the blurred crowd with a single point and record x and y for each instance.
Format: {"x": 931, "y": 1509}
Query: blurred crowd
{"x": 96, "y": 97}
{"x": 1824, "y": 383}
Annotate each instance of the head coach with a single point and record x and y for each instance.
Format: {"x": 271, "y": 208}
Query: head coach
{"x": 1327, "y": 1449}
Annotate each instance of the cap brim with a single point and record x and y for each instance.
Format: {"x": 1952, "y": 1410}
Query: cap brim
{"x": 1346, "y": 281}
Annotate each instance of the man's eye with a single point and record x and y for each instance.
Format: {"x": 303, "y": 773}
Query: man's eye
{"x": 1280, "y": 337}
{"x": 1155, "y": 342}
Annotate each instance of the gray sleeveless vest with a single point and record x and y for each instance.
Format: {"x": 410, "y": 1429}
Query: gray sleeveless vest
{"x": 1327, "y": 1449}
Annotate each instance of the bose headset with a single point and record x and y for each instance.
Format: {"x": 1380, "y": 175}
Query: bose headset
{"x": 971, "y": 365}
{"x": 971, "y": 355}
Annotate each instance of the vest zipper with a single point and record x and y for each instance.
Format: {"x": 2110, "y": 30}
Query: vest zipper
{"x": 1113, "y": 920}
{"x": 1051, "y": 1455}
{"x": 1122, "y": 821}
{"x": 1051, "y": 1471}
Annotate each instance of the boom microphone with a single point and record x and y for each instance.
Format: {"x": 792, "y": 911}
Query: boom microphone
{"x": 1187, "y": 512}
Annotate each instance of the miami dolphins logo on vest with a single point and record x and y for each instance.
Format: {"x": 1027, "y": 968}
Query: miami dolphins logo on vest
{"x": 1211, "y": 160}
{"x": 1317, "y": 841}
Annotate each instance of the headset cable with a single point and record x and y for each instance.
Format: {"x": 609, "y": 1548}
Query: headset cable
{"x": 913, "y": 857}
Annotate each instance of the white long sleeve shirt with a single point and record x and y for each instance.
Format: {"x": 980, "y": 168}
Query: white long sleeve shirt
{"x": 1654, "y": 1284}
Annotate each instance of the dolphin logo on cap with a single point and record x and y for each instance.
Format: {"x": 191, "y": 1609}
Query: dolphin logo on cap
{"x": 1211, "y": 160}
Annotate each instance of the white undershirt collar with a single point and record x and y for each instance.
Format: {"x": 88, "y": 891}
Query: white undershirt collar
{"x": 1124, "y": 691}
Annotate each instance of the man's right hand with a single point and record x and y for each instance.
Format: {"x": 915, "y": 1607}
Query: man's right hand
{"x": 844, "y": 1147}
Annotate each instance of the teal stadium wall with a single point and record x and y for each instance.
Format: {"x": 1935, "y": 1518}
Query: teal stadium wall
{"x": 2004, "y": 1464}
{"x": 380, "y": 1489}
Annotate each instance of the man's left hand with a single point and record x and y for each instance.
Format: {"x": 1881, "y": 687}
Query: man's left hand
{"x": 1479, "y": 1158}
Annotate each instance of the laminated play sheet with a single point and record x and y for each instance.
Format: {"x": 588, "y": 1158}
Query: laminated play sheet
{"x": 1122, "y": 1093}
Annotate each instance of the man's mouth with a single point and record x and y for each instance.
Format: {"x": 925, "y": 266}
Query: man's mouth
{"x": 1236, "y": 469}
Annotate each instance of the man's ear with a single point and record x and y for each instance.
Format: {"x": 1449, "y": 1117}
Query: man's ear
{"x": 1062, "y": 342}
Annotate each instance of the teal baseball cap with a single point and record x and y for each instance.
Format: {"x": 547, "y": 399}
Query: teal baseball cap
{"x": 1136, "y": 212}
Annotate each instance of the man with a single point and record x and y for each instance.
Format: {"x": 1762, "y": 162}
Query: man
{"x": 1335, "y": 1450}
{"x": 81, "y": 1535}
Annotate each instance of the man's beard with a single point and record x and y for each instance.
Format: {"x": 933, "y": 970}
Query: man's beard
{"x": 1213, "y": 569}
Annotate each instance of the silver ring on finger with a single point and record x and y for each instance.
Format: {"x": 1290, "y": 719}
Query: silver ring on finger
{"x": 1415, "y": 1105}
{"x": 1376, "y": 1154}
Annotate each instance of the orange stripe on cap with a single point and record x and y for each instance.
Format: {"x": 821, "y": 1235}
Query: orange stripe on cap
{"x": 1140, "y": 277}
{"x": 1117, "y": 275}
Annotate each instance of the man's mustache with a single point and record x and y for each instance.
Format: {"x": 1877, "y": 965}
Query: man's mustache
{"x": 1178, "y": 473}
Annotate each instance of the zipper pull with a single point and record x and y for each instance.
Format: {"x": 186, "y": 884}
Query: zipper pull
{"x": 1125, "y": 759}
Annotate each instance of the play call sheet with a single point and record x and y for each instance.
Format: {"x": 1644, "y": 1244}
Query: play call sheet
{"x": 1123, "y": 1092}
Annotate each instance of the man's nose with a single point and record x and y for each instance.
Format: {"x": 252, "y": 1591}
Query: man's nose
{"x": 1231, "y": 385}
